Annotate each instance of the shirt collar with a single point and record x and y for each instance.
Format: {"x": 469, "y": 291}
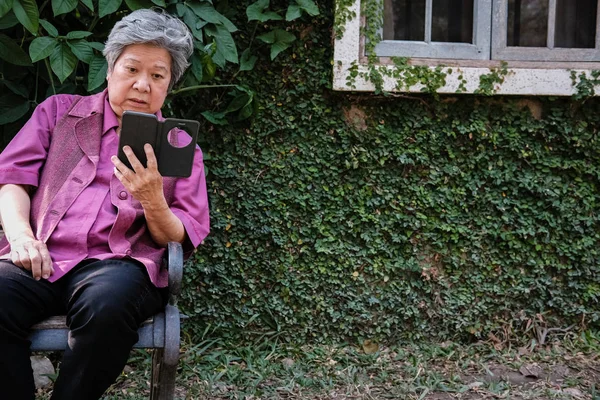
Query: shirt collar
{"x": 110, "y": 118}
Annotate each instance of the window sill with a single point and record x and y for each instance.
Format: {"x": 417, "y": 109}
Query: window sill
{"x": 541, "y": 81}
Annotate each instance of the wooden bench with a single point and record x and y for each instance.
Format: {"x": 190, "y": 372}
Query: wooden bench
{"x": 160, "y": 333}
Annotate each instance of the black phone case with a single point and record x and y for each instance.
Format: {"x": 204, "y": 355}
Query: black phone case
{"x": 139, "y": 128}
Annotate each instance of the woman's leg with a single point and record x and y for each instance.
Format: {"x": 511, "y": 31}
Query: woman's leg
{"x": 23, "y": 302}
{"x": 106, "y": 302}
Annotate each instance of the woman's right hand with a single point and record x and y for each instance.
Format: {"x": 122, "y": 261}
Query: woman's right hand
{"x": 32, "y": 255}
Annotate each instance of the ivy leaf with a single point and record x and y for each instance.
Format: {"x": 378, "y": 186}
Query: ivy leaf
{"x": 160, "y": 3}
{"x": 62, "y": 61}
{"x": 63, "y": 6}
{"x": 41, "y": 48}
{"x": 82, "y": 50}
{"x": 12, "y": 108}
{"x": 5, "y": 7}
{"x": 225, "y": 45}
{"x": 97, "y": 72}
{"x": 138, "y": 4}
{"x": 12, "y": 53}
{"x": 106, "y": 7}
{"x": 247, "y": 61}
{"x": 89, "y": 4}
{"x": 293, "y": 12}
{"x": 78, "y": 34}
{"x": 309, "y": 6}
{"x": 28, "y": 15}
{"x": 258, "y": 12}
{"x": 278, "y": 39}
{"x": 8, "y": 21}
{"x": 52, "y": 31}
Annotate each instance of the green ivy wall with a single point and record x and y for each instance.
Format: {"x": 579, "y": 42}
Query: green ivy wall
{"x": 340, "y": 215}
{"x": 346, "y": 216}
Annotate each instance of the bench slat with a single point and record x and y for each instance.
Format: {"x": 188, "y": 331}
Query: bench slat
{"x": 60, "y": 322}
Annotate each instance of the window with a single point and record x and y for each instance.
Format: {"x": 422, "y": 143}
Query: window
{"x": 546, "y": 30}
{"x": 457, "y": 29}
{"x": 543, "y": 41}
{"x": 533, "y": 30}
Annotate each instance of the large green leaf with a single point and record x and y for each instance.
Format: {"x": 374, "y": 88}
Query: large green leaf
{"x": 97, "y": 45}
{"x": 5, "y": 7}
{"x": 12, "y": 53}
{"x": 160, "y": 3}
{"x": 42, "y": 47}
{"x": 106, "y": 7}
{"x": 63, "y": 6}
{"x": 51, "y": 29}
{"x": 217, "y": 118}
{"x": 225, "y": 44}
{"x": 16, "y": 88}
{"x": 78, "y": 34}
{"x": 207, "y": 12}
{"x": 97, "y": 72}
{"x": 8, "y": 21}
{"x": 278, "y": 39}
{"x": 12, "y": 107}
{"x": 293, "y": 12}
{"x": 309, "y": 6}
{"x": 89, "y": 4}
{"x": 196, "y": 66}
{"x": 192, "y": 21}
{"x": 247, "y": 61}
{"x": 62, "y": 61}
{"x": 28, "y": 15}
{"x": 82, "y": 50}
{"x": 258, "y": 12}
{"x": 138, "y": 4}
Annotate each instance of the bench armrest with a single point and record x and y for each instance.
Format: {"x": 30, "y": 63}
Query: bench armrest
{"x": 174, "y": 263}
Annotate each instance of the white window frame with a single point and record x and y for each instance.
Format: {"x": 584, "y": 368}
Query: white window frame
{"x": 463, "y": 76}
{"x": 479, "y": 49}
{"x": 500, "y": 50}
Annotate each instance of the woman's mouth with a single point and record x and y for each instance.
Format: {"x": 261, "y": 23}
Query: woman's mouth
{"x": 137, "y": 101}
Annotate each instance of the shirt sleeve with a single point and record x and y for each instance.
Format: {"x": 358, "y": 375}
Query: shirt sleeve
{"x": 23, "y": 158}
{"x": 191, "y": 204}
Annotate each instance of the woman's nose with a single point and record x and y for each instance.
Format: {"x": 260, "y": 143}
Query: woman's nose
{"x": 142, "y": 84}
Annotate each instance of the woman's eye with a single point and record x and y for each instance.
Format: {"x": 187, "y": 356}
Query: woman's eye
{"x": 157, "y": 76}
{"x": 131, "y": 69}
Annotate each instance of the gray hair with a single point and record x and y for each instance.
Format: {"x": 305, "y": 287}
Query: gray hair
{"x": 156, "y": 28}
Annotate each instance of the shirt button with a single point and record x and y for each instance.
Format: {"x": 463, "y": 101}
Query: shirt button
{"x": 122, "y": 195}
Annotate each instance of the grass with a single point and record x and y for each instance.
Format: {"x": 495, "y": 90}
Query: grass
{"x": 567, "y": 368}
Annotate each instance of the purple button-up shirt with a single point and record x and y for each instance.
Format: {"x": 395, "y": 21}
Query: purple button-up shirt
{"x": 85, "y": 229}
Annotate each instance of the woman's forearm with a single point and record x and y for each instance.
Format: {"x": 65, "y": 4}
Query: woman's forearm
{"x": 163, "y": 224}
{"x": 15, "y": 206}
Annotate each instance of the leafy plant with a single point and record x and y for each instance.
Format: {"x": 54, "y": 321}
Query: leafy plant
{"x": 56, "y": 48}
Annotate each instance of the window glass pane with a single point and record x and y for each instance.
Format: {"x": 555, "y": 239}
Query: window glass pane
{"x": 452, "y": 21}
{"x": 575, "y": 23}
{"x": 404, "y": 20}
{"x": 527, "y": 23}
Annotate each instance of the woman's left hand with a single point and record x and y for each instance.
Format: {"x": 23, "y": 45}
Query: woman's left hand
{"x": 144, "y": 184}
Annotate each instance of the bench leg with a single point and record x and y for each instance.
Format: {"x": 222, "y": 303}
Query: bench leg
{"x": 164, "y": 361}
{"x": 163, "y": 378}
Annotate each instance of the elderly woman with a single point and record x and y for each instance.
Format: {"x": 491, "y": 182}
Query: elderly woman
{"x": 85, "y": 235}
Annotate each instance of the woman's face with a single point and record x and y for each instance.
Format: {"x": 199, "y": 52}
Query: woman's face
{"x": 139, "y": 81}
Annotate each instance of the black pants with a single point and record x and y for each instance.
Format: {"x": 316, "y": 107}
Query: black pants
{"x": 105, "y": 302}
